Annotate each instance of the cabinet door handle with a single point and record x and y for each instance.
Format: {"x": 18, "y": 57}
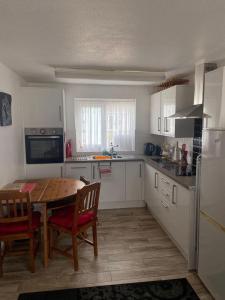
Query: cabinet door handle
{"x": 60, "y": 113}
{"x": 174, "y": 194}
{"x": 156, "y": 180}
{"x": 93, "y": 172}
{"x": 159, "y": 124}
{"x": 61, "y": 171}
{"x": 140, "y": 170}
{"x": 165, "y": 125}
{"x": 74, "y": 168}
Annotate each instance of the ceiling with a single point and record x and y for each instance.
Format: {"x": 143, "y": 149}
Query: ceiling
{"x": 152, "y": 35}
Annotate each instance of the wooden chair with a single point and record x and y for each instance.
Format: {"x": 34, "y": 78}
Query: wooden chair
{"x": 76, "y": 221}
{"x": 17, "y": 222}
{"x": 85, "y": 180}
{"x": 54, "y": 207}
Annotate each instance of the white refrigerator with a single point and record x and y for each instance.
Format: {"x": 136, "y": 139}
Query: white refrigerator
{"x": 211, "y": 221}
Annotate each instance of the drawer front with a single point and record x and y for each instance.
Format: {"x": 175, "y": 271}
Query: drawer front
{"x": 76, "y": 170}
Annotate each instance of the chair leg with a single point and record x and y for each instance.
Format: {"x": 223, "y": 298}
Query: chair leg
{"x": 94, "y": 230}
{"x": 75, "y": 253}
{"x": 1, "y": 257}
{"x": 51, "y": 232}
{"x": 32, "y": 255}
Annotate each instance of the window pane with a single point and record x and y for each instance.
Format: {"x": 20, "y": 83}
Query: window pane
{"x": 120, "y": 127}
{"x": 100, "y": 123}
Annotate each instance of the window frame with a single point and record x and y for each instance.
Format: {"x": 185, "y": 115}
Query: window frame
{"x": 129, "y": 100}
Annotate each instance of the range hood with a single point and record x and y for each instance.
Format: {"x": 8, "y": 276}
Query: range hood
{"x": 191, "y": 112}
{"x": 196, "y": 110}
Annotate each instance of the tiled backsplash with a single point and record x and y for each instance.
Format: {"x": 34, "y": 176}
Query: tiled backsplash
{"x": 194, "y": 145}
{"x": 197, "y": 142}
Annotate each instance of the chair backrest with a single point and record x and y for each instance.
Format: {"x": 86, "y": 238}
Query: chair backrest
{"x": 85, "y": 180}
{"x": 15, "y": 206}
{"x": 87, "y": 199}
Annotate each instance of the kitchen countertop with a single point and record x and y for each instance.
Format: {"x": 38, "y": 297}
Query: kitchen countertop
{"x": 186, "y": 181}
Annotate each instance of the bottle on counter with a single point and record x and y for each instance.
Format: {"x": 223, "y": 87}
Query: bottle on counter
{"x": 68, "y": 149}
{"x": 178, "y": 153}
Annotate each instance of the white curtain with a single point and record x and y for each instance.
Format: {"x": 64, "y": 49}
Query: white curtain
{"x": 102, "y": 122}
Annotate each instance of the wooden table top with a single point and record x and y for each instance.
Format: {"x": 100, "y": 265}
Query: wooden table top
{"x": 53, "y": 189}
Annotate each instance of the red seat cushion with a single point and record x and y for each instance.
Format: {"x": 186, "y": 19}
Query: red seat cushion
{"x": 64, "y": 218}
{"x": 20, "y": 227}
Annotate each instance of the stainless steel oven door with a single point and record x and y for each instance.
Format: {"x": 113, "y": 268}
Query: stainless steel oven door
{"x": 44, "y": 149}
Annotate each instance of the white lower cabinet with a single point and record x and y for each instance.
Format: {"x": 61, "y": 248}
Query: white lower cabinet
{"x": 151, "y": 189}
{"x": 120, "y": 189}
{"x": 134, "y": 180}
{"x": 174, "y": 208}
{"x": 75, "y": 170}
{"x": 36, "y": 171}
{"x": 112, "y": 193}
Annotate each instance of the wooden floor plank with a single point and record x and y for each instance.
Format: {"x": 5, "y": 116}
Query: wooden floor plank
{"x": 132, "y": 248}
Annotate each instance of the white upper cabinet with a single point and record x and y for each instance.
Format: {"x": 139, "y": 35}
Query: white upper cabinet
{"x": 155, "y": 115}
{"x": 164, "y": 104}
{"x": 168, "y": 108}
{"x": 42, "y": 107}
{"x": 214, "y": 99}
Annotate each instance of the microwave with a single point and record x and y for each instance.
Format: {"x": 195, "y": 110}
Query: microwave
{"x": 44, "y": 145}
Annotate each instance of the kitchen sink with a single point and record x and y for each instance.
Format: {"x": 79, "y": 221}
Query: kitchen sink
{"x": 117, "y": 156}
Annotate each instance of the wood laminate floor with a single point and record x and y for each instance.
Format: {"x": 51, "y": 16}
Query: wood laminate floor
{"x": 132, "y": 248}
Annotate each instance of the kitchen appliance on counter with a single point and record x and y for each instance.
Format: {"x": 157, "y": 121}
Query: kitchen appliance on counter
{"x": 173, "y": 167}
{"x": 211, "y": 212}
{"x": 152, "y": 150}
{"x": 44, "y": 145}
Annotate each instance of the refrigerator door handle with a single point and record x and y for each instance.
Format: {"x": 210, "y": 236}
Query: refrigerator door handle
{"x": 197, "y": 203}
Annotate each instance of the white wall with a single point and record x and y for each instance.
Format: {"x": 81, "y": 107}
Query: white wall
{"x": 11, "y": 137}
{"x": 141, "y": 94}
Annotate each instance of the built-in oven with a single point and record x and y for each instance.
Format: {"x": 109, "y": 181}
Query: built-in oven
{"x": 44, "y": 145}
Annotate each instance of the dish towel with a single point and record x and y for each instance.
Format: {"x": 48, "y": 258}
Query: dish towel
{"x": 105, "y": 171}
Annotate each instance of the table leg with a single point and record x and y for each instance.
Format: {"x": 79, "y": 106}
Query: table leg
{"x": 45, "y": 235}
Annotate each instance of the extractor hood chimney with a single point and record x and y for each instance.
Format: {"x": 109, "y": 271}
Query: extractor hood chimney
{"x": 196, "y": 110}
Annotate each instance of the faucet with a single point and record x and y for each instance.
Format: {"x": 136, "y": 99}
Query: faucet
{"x": 111, "y": 150}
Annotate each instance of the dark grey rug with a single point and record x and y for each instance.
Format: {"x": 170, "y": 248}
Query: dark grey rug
{"x": 177, "y": 289}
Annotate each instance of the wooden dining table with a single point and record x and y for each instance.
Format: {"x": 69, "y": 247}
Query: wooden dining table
{"x": 47, "y": 192}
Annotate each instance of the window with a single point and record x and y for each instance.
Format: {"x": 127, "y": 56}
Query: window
{"x": 102, "y": 122}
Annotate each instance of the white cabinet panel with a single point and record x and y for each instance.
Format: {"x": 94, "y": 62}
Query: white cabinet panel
{"x": 174, "y": 208}
{"x": 164, "y": 104}
{"x": 211, "y": 267}
{"x": 152, "y": 189}
{"x": 113, "y": 186}
{"x": 168, "y": 108}
{"x": 36, "y": 171}
{"x": 134, "y": 180}
{"x": 117, "y": 189}
{"x": 42, "y": 107}
{"x": 214, "y": 99}
{"x": 182, "y": 201}
{"x": 75, "y": 170}
{"x": 155, "y": 114}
